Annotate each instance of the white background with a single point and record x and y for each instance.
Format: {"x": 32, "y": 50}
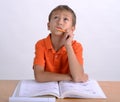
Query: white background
{"x": 24, "y": 22}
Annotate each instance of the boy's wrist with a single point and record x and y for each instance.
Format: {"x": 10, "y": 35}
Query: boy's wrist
{"x": 68, "y": 47}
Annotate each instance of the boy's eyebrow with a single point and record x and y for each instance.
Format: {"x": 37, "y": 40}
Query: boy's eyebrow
{"x": 58, "y": 15}
{"x": 55, "y": 15}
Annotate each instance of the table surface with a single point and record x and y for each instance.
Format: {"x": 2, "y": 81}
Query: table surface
{"x": 110, "y": 88}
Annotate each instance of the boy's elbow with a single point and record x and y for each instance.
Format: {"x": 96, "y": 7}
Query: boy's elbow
{"x": 82, "y": 78}
{"x": 38, "y": 78}
{"x": 38, "y": 73}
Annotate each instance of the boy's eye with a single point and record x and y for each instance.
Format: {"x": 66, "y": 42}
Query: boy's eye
{"x": 65, "y": 19}
{"x": 55, "y": 17}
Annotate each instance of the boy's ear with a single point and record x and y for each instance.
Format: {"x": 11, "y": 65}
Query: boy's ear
{"x": 73, "y": 28}
{"x": 48, "y": 26}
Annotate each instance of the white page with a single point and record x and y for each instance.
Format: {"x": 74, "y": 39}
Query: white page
{"x": 89, "y": 89}
{"x": 33, "y": 88}
{"x": 28, "y": 99}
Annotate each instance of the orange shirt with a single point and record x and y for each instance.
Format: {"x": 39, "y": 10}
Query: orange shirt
{"x": 55, "y": 61}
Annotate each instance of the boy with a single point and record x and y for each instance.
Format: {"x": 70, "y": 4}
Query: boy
{"x": 58, "y": 57}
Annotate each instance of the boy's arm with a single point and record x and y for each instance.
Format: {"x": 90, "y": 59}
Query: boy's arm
{"x": 76, "y": 69}
{"x": 43, "y": 76}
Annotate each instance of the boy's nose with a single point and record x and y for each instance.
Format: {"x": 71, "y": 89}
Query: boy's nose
{"x": 60, "y": 21}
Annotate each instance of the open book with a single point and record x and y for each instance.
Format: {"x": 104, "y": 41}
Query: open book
{"x": 62, "y": 89}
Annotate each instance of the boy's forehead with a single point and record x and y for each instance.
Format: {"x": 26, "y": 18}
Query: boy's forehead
{"x": 64, "y": 12}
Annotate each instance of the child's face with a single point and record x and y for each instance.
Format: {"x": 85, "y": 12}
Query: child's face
{"x": 62, "y": 20}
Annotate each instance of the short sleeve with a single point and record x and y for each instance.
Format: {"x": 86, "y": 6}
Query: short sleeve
{"x": 39, "y": 54}
{"x": 78, "y": 49}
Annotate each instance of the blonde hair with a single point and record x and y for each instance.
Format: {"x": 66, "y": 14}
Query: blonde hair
{"x": 62, "y": 8}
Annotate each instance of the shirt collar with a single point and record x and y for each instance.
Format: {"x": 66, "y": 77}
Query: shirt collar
{"x": 48, "y": 42}
{"x": 50, "y": 46}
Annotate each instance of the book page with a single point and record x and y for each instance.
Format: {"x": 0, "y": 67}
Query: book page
{"x": 31, "y": 99}
{"x": 32, "y": 88}
{"x": 89, "y": 89}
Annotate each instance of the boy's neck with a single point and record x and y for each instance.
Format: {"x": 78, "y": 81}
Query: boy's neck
{"x": 56, "y": 42}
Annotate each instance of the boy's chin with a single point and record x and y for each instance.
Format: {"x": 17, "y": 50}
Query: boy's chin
{"x": 58, "y": 33}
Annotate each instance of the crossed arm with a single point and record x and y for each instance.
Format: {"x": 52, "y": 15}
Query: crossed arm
{"x": 76, "y": 71}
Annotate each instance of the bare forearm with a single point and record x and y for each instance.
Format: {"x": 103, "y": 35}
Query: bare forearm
{"x": 76, "y": 69}
{"x": 49, "y": 76}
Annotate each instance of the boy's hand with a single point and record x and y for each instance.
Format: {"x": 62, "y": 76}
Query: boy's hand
{"x": 68, "y": 38}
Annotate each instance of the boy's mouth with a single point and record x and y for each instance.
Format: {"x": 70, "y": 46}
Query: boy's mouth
{"x": 60, "y": 29}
